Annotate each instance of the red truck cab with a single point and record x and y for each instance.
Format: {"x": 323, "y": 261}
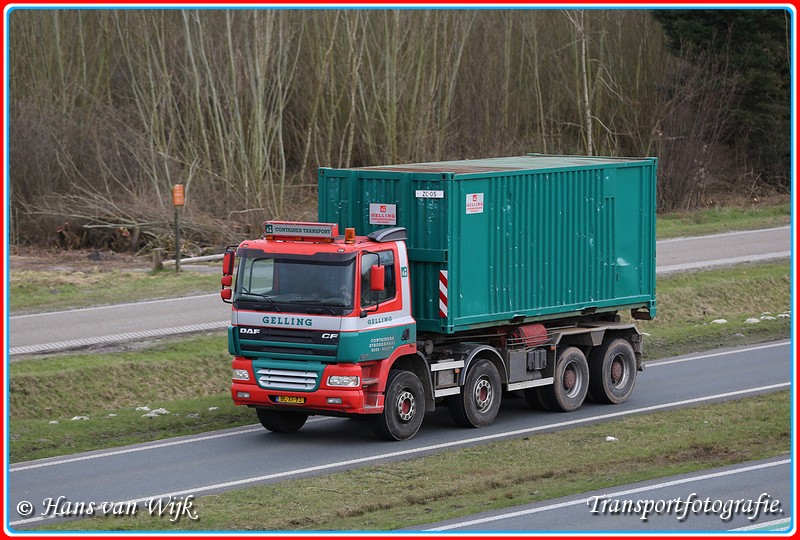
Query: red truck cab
{"x": 318, "y": 319}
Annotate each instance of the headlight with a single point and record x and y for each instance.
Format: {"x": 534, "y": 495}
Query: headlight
{"x": 241, "y": 375}
{"x": 344, "y": 380}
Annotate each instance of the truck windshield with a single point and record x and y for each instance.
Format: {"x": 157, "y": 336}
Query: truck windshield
{"x": 299, "y": 284}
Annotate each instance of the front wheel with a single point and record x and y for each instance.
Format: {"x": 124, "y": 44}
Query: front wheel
{"x": 570, "y": 381}
{"x": 281, "y": 421}
{"x": 479, "y": 401}
{"x": 403, "y": 408}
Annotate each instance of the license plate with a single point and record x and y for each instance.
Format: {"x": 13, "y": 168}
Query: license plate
{"x": 290, "y": 399}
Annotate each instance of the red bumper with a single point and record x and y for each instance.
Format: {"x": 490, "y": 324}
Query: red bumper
{"x": 326, "y": 399}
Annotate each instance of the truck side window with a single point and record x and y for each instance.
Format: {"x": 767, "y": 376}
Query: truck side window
{"x": 368, "y": 260}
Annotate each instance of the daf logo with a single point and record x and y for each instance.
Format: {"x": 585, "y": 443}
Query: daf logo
{"x": 329, "y": 336}
{"x": 249, "y": 331}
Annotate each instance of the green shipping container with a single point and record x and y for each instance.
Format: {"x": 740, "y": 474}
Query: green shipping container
{"x": 500, "y": 240}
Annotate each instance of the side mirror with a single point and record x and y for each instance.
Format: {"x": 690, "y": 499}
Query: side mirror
{"x": 227, "y": 262}
{"x": 377, "y": 278}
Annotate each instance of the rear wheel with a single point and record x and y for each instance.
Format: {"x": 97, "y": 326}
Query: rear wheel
{"x": 570, "y": 381}
{"x": 612, "y": 372}
{"x": 281, "y": 421}
{"x": 403, "y": 408}
{"x": 534, "y": 398}
{"x": 478, "y": 403}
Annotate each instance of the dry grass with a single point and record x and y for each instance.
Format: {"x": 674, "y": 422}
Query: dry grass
{"x": 32, "y": 291}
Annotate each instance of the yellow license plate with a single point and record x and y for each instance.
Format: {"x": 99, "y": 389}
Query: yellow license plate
{"x": 290, "y": 399}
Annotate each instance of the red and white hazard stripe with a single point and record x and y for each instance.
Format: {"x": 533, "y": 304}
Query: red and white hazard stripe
{"x": 442, "y": 293}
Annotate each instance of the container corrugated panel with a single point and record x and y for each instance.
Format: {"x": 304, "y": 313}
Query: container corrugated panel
{"x": 520, "y": 239}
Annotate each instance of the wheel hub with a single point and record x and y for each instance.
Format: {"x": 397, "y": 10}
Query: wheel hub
{"x": 406, "y": 406}
{"x": 616, "y": 371}
{"x": 619, "y": 372}
{"x": 569, "y": 379}
{"x": 483, "y": 394}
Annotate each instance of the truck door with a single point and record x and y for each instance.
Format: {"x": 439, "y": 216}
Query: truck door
{"x": 386, "y": 300}
{"x": 382, "y": 323}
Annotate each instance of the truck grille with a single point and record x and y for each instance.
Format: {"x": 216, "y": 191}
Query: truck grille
{"x": 286, "y": 344}
{"x": 285, "y": 379}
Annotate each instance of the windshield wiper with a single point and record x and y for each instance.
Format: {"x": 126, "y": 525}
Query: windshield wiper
{"x": 260, "y": 295}
{"x": 315, "y": 303}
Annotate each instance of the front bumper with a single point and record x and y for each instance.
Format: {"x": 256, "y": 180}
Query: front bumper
{"x": 333, "y": 400}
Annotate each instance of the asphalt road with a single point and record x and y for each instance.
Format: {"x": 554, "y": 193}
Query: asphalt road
{"x": 679, "y": 254}
{"x": 81, "y": 328}
{"x": 746, "y": 496}
{"x": 236, "y": 458}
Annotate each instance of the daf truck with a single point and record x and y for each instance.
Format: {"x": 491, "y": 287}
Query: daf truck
{"x": 447, "y": 284}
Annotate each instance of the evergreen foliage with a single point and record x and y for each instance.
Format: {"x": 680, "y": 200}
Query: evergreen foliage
{"x": 755, "y": 43}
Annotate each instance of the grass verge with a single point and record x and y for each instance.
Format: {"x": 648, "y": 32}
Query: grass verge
{"x": 33, "y": 291}
{"x": 497, "y": 475}
{"x": 51, "y": 397}
{"x": 723, "y": 219}
{"x": 725, "y": 307}
{"x": 72, "y": 403}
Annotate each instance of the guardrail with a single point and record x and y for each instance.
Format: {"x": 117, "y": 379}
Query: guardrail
{"x": 158, "y": 263}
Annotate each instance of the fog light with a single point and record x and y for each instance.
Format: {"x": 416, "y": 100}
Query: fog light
{"x": 344, "y": 380}
{"x": 243, "y": 395}
{"x": 241, "y": 375}
{"x": 334, "y": 400}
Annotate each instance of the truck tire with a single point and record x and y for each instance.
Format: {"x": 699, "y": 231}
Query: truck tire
{"x": 403, "y": 408}
{"x": 612, "y": 372}
{"x": 570, "y": 381}
{"x": 479, "y": 401}
{"x": 281, "y": 421}
{"x": 534, "y": 398}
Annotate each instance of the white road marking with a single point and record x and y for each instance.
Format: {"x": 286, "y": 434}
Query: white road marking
{"x": 154, "y": 446}
{"x": 247, "y": 430}
{"x": 715, "y": 354}
{"x": 115, "y": 338}
{"x": 723, "y": 235}
{"x": 672, "y": 268}
{"x": 430, "y": 448}
{"x": 114, "y": 306}
{"x": 767, "y": 526}
{"x": 617, "y": 494}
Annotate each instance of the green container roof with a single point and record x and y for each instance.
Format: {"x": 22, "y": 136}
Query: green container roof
{"x": 530, "y": 162}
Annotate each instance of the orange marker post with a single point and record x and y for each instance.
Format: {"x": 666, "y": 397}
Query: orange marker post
{"x": 178, "y": 201}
